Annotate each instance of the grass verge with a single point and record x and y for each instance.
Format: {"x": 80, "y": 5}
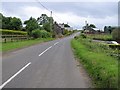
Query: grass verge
{"x": 103, "y": 69}
{"x": 20, "y": 44}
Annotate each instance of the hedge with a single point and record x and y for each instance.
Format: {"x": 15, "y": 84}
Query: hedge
{"x": 12, "y": 32}
{"x": 40, "y": 34}
{"x": 114, "y": 46}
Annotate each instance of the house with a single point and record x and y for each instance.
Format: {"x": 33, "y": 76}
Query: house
{"x": 57, "y": 29}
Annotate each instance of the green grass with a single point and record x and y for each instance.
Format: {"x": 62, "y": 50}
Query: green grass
{"x": 20, "y": 44}
{"x": 102, "y": 68}
{"x": 100, "y": 36}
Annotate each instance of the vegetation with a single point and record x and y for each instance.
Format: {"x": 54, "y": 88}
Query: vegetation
{"x": 31, "y": 24}
{"x": 89, "y": 27}
{"x": 105, "y": 37}
{"x": 67, "y": 32}
{"x": 108, "y": 29}
{"x": 12, "y": 32}
{"x": 10, "y": 23}
{"x": 116, "y": 34}
{"x": 96, "y": 58}
{"x": 40, "y": 34}
{"x": 46, "y": 21}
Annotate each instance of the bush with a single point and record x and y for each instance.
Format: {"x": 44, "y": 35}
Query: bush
{"x": 12, "y": 32}
{"x": 36, "y": 33}
{"x": 114, "y": 46}
{"x": 76, "y": 37}
{"x": 83, "y": 35}
{"x": 116, "y": 34}
{"x": 40, "y": 34}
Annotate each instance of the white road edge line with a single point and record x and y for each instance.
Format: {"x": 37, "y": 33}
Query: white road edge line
{"x": 5, "y": 83}
{"x": 45, "y": 51}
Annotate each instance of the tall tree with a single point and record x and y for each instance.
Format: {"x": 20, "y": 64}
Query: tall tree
{"x": 31, "y": 24}
{"x": 10, "y": 23}
{"x": 15, "y": 24}
{"x": 43, "y": 19}
{"x": 92, "y": 26}
{"x": 105, "y": 29}
{"x": 46, "y": 21}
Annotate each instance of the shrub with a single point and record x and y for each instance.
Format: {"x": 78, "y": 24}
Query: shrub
{"x": 76, "y": 37}
{"x": 66, "y": 32}
{"x": 114, "y": 46}
{"x": 36, "y": 33}
{"x": 12, "y": 32}
{"x": 40, "y": 34}
{"x": 83, "y": 35}
{"x": 116, "y": 34}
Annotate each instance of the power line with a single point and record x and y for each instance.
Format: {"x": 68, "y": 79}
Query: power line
{"x": 43, "y": 5}
{"x": 48, "y": 10}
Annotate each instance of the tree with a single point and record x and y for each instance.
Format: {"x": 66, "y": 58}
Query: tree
{"x": 92, "y": 26}
{"x": 10, "y": 23}
{"x": 6, "y": 22}
{"x": 15, "y": 24}
{"x": 46, "y": 21}
{"x": 110, "y": 29}
{"x": 105, "y": 29}
{"x": 1, "y": 16}
{"x": 31, "y": 25}
{"x": 46, "y": 26}
{"x": 89, "y": 27}
{"x": 66, "y": 25}
{"x": 43, "y": 19}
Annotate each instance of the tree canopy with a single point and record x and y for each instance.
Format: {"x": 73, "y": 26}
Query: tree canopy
{"x": 10, "y": 23}
{"x": 31, "y": 24}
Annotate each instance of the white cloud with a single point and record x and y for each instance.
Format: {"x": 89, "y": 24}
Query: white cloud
{"x": 60, "y": 0}
{"x": 79, "y": 21}
{"x": 73, "y": 19}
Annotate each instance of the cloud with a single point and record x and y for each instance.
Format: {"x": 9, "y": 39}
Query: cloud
{"x": 75, "y": 14}
{"x": 60, "y": 0}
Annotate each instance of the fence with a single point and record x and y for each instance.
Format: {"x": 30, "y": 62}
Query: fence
{"x": 12, "y": 38}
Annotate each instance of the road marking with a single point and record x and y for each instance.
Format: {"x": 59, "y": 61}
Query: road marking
{"x": 5, "y": 83}
{"x": 45, "y": 51}
{"x": 56, "y": 43}
{"x": 48, "y": 49}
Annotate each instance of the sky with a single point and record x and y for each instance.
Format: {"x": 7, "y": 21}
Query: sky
{"x": 74, "y": 13}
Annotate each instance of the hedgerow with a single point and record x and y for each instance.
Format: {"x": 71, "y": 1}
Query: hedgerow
{"x": 12, "y": 32}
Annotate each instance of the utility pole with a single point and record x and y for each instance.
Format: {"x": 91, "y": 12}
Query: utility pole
{"x": 51, "y": 21}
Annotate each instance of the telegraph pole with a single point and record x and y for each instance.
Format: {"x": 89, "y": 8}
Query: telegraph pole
{"x": 51, "y": 22}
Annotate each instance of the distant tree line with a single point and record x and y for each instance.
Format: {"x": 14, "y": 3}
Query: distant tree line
{"x": 109, "y": 29}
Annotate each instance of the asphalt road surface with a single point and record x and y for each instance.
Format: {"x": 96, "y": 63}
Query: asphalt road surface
{"x": 47, "y": 65}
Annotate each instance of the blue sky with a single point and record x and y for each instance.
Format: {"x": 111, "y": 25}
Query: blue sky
{"x": 73, "y": 13}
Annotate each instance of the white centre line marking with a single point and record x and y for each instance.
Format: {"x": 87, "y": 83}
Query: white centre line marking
{"x": 45, "y": 51}
{"x": 5, "y": 83}
{"x": 48, "y": 49}
{"x": 56, "y": 43}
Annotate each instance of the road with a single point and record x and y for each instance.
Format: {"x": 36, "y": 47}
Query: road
{"x": 47, "y": 65}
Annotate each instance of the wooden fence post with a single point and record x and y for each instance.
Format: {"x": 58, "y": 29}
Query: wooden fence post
{"x": 5, "y": 40}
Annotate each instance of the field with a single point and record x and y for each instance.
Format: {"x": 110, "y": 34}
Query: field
{"x": 105, "y": 37}
{"x": 96, "y": 59}
{"x": 20, "y": 44}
